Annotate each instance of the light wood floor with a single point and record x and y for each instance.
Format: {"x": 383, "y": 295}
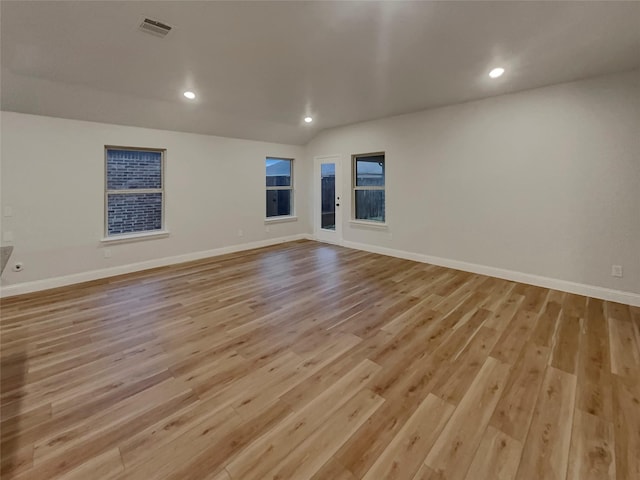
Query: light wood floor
{"x": 310, "y": 361}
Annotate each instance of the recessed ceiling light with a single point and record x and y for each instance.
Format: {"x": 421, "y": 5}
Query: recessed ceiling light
{"x": 496, "y": 72}
{"x": 308, "y": 119}
{"x": 189, "y": 95}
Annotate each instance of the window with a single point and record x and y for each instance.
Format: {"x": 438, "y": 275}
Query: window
{"x": 279, "y": 187}
{"x": 368, "y": 187}
{"x": 134, "y": 191}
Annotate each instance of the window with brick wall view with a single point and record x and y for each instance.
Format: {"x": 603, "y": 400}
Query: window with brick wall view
{"x": 279, "y": 187}
{"x": 134, "y": 191}
{"x": 369, "y": 188}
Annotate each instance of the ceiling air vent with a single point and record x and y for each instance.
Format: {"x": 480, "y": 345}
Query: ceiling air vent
{"x": 154, "y": 27}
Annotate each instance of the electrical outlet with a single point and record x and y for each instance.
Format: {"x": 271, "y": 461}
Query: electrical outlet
{"x": 107, "y": 253}
{"x": 616, "y": 270}
{"x": 240, "y": 233}
{"x": 266, "y": 229}
{"x": 8, "y": 212}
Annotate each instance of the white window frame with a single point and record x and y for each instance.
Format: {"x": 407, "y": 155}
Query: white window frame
{"x": 292, "y": 215}
{"x": 146, "y": 233}
{"x": 355, "y": 188}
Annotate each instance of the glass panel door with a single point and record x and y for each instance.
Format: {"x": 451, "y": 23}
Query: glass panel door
{"x": 327, "y": 210}
{"x": 328, "y": 196}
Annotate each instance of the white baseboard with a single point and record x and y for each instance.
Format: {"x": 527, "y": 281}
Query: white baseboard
{"x": 628, "y": 298}
{"x": 48, "y": 283}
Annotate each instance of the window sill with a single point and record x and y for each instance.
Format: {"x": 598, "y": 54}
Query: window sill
{"x": 135, "y": 237}
{"x": 290, "y": 218}
{"x": 370, "y": 225}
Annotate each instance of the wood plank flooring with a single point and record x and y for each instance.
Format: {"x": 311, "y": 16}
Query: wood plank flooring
{"x": 311, "y": 361}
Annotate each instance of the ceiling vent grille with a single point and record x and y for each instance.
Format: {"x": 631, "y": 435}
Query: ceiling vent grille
{"x": 154, "y": 27}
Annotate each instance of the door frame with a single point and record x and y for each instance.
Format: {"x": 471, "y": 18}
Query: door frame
{"x": 320, "y": 234}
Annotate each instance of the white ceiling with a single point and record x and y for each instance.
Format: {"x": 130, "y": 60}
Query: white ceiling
{"x": 259, "y": 68}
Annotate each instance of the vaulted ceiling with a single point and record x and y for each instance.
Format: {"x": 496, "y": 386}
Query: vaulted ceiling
{"x": 259, "y": 67}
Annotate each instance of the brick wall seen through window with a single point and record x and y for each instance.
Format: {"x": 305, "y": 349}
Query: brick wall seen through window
{"x": 134, "y": 191}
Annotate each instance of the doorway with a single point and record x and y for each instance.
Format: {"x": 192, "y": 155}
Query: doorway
{"x": 328, "y": 193}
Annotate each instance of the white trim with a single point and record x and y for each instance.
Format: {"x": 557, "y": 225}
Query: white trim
{"x": 322, "y": 234}
{"x": 290, "y": 187}
{"x": 369, "y": 224}
{"x": 161, "y": 191}
{"x": 628, "y": 298}
{"x": 134, "y": 237}
{"x": 355, "y": 188}
{"x": 280, "y": 219}
{"x": 133, "y": 191}
{"x": 620, "y": 296}
{"x": 48, "y": 283}
{"x": 338, "y": 242}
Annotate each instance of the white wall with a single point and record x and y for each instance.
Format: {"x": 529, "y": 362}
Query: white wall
{"x": 545, "y": 182}
{"x": 53, "y": 179}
